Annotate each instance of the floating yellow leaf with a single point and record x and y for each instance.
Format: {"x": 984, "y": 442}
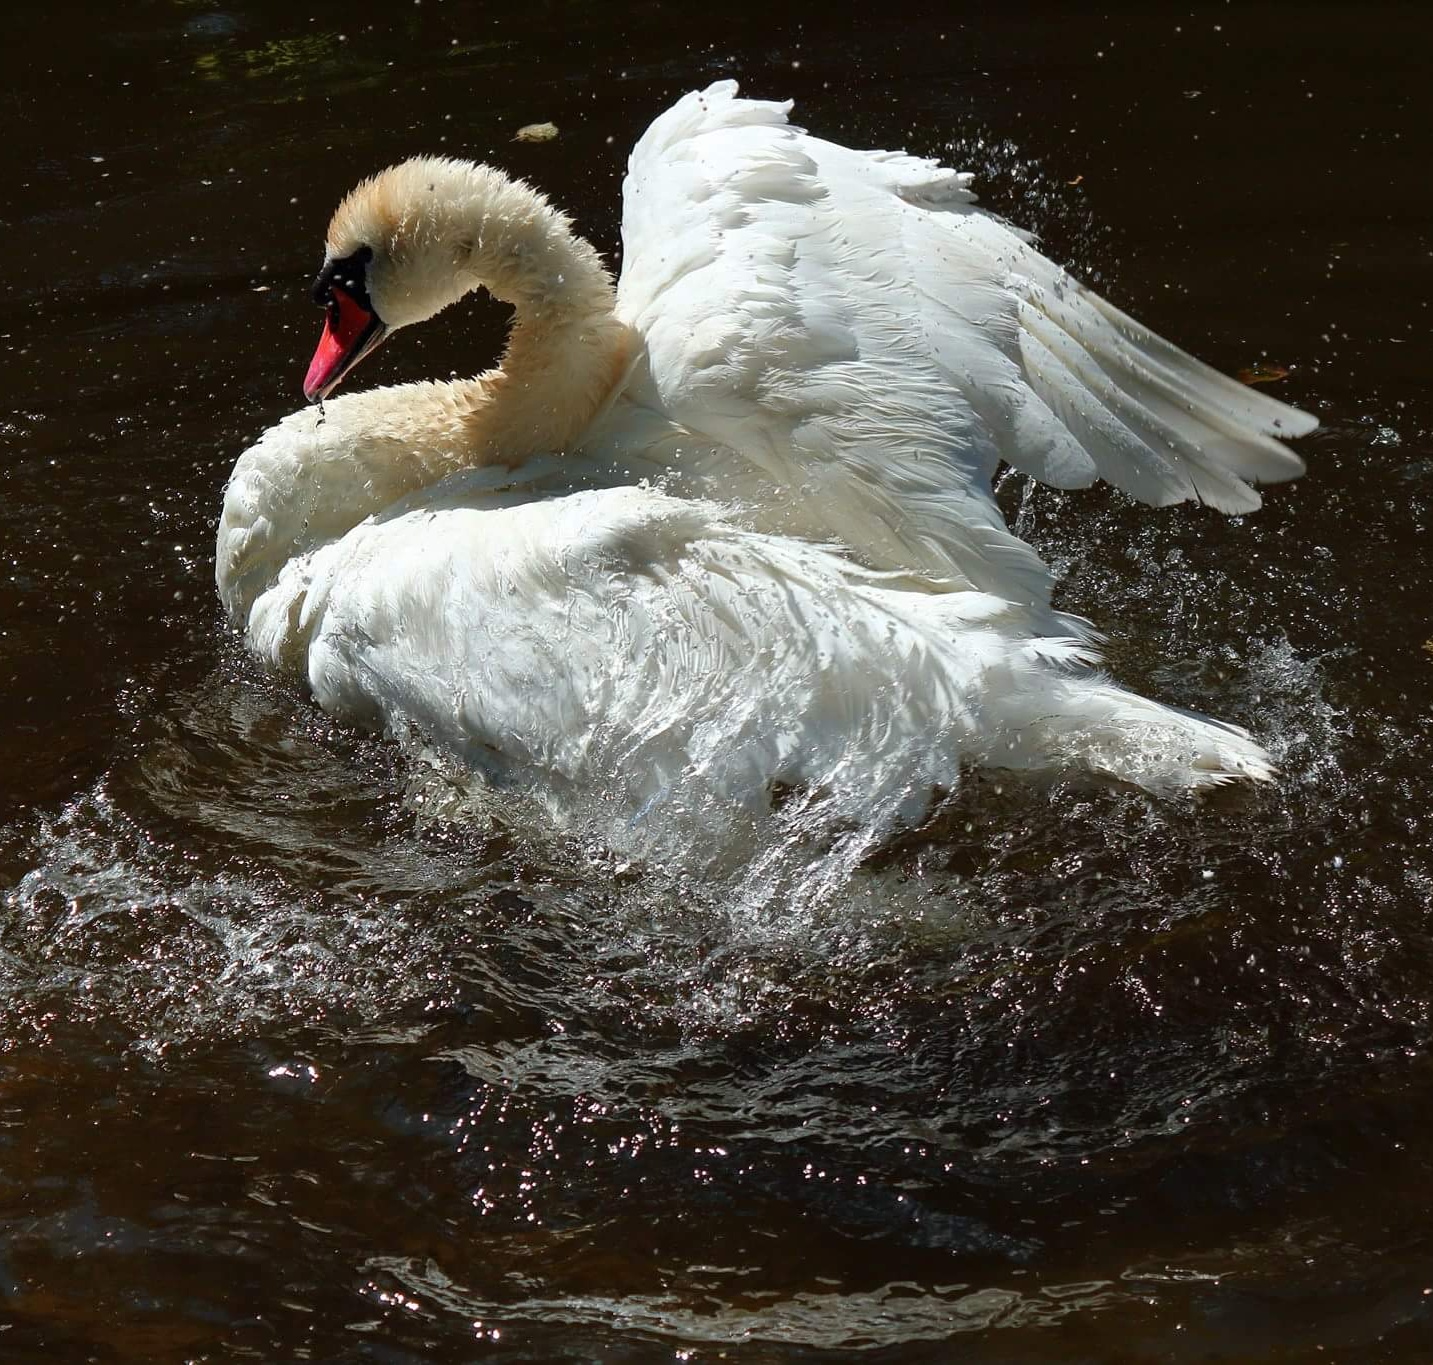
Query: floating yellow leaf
{"x": 536, "y": 132}
{"x": 1263, "y": 372}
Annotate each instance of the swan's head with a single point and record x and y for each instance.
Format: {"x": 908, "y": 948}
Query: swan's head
{"x": 400, "y": 247}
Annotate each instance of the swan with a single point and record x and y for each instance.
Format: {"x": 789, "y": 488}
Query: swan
{"x": 726, "y": 525}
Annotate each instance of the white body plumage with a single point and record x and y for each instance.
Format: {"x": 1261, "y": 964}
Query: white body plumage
{"x": 734, "y": 527}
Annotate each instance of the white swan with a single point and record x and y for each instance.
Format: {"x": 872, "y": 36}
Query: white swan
{"x": 732, "y": 525}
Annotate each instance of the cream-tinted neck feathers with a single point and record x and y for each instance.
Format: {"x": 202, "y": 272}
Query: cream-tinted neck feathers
{"x": 440, "y": 227}
{"x": 437, "y": 230}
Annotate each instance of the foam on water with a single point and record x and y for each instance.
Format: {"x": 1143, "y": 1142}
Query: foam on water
{"x": 315, "y": 878}
{"x": 892, "y": 1315}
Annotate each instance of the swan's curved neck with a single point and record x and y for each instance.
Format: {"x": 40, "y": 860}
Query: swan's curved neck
{"x": 453, "y": 227}
{"x": 566, "y": 351}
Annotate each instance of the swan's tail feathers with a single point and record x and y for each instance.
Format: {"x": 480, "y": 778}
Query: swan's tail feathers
{"x": 1092, "y": 723}
{"x": 1154, "y": 421}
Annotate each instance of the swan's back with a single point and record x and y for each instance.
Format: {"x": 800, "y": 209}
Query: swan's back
{"x": 626, "y": 641}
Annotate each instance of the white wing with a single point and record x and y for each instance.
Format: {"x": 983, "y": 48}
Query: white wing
{"x": 874, "y": 344}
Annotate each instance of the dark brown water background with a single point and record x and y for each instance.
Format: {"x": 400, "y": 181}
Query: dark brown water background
{"x": 291, "y": 1069}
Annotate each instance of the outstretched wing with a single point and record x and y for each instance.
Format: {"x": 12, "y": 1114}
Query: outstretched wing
{"x": 873, "y": 344}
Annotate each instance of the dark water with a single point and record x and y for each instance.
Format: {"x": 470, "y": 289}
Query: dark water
{"x": 305, "y": 1056}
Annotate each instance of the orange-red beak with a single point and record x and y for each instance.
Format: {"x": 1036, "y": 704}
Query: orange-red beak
{"x": 350, "y": 332}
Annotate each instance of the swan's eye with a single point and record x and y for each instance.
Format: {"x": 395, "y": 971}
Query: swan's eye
{"x": 349, "y": 273}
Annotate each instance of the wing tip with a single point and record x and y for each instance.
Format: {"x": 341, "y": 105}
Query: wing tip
{"x": 1291, "y": 423}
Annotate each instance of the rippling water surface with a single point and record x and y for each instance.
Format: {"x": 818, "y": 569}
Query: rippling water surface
{"x": 311, "y": 1050}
